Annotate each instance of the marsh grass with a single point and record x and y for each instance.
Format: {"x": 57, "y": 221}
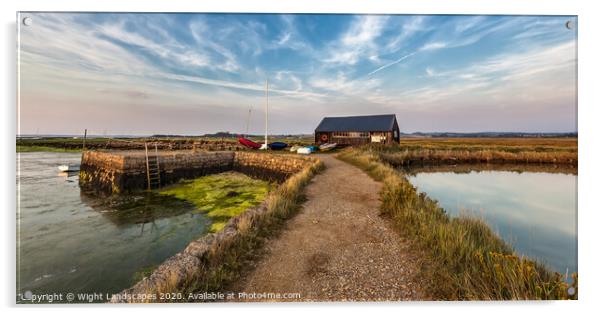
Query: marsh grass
{"x": 432, "y": 151}
{"x": 403, "y": 157}
{"x": 510, "y": 144}
{"x": 463, "y": 258}
{"x": 25, "y": 149}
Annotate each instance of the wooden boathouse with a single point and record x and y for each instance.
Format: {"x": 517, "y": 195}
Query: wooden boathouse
{"x": 358, "y": 130}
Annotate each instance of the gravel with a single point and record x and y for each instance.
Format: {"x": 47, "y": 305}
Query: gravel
{"x": 338, "y": 248}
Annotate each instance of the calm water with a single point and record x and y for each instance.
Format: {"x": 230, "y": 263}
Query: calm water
{"x": 536, "y": 212}
{"x": 71, "y": 242}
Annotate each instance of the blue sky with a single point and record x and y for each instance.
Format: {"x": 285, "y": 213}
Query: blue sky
{"x": 200, "y": 73}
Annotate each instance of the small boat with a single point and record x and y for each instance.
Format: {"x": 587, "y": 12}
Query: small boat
{"x": 314, "y": 148}
{"x": 68, "y": 168}
{"x": 304, "y": 150}
{"x": 278, "y": 145}
{"x": 249, "y": 143}
{"x": 328, "y": 146}
{"x": 294, "y": 149}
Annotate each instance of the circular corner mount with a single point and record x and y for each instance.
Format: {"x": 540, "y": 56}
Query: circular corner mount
{"x": 27, "y": 21}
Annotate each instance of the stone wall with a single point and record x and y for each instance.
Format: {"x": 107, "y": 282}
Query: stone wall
{"x": 268, "y": 166}
{"x": 102, "y": 172}
{"x": 122, "y": 172}
{"x": 197, "y": 261}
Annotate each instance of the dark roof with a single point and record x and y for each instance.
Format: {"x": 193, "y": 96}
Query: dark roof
{"x": 369, "y": 123}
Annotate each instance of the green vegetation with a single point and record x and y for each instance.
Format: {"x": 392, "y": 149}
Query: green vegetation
{"x": 143, "y": 273}
{"x": 229, "y": 258}
{"x": 164, "y": 142}
{"x": 532, "y": 144}
{"x": 463, "y": 258}
{"x": 220, "y": 196}
{"x": 25, "y": 149}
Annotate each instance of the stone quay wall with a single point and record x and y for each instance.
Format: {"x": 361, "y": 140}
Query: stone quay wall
{"x": 199, "y": 261}
{"x": 107, "y": 172}
{"x": 267, "y": 166}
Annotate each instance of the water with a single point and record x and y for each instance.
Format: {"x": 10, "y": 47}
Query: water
{"x": 536, "y": 212}
{"x": 70, "y": 242}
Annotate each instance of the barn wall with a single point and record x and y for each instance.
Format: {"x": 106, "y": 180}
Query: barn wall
{"x": 354, "y": 141}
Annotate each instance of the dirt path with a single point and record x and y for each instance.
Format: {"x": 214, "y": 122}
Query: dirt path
{"x": 337, "y": 247}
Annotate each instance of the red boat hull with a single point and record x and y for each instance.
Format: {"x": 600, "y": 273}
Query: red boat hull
{"x": 249, "y": 143}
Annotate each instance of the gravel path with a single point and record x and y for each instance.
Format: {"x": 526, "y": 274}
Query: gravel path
{"x": 337, "y": 248}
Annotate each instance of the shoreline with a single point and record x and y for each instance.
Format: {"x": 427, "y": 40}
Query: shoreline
{"x": 464, "y": 258}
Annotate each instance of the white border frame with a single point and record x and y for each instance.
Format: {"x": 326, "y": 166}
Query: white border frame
{"x": 589, "y": 129}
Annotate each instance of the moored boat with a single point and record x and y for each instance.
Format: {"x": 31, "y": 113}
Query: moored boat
{"x": 277, "y": 145}
{"x": 304, "y": 150}
{"x": 249, "y": 143}
{"x": 68, "y": 168}
{"x": 328, "y": 146}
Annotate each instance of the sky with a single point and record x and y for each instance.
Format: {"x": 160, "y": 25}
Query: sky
{"x": 142, "y": 74}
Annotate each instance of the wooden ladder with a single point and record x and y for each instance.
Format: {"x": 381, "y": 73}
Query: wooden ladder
{"x": 153, "y": 171}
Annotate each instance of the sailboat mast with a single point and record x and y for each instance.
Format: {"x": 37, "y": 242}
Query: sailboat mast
{"x": 248, "y": 119}
{"x": 266, "y": 113}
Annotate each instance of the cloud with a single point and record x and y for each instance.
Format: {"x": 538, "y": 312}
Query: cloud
{"x": 433, "y": 46}
{"x": 204, "y": 39}
{"x": 535, "y": 74}
{"x": 358, "y": 41}
{"x": 409, "y": 28}
{"x": 166, "y": 61}
{"x": 237, "y": 85}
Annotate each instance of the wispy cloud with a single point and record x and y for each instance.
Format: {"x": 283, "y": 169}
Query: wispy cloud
{"x": 334, "y": 64}
{"x": 358, "y": 41}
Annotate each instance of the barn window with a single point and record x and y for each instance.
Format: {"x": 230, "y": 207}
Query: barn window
{"x": 351, "y": 134}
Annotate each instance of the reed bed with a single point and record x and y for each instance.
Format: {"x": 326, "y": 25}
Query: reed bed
{"x": 510, "y": 144}
{"x": 406, "y": 157}
{"x": 463, "y": 258}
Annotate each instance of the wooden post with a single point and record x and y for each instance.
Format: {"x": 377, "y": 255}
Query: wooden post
{"x": 147, "y": 167}
{"x": 85, "y": 134}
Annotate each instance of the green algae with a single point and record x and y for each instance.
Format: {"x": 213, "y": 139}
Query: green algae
{"x": 220, "y": 196}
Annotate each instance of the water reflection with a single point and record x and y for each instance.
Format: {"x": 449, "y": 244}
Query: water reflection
{"x": 72, "y": 242}
{"x": 136, "y": 208}
{"x": 534, "y": 211}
